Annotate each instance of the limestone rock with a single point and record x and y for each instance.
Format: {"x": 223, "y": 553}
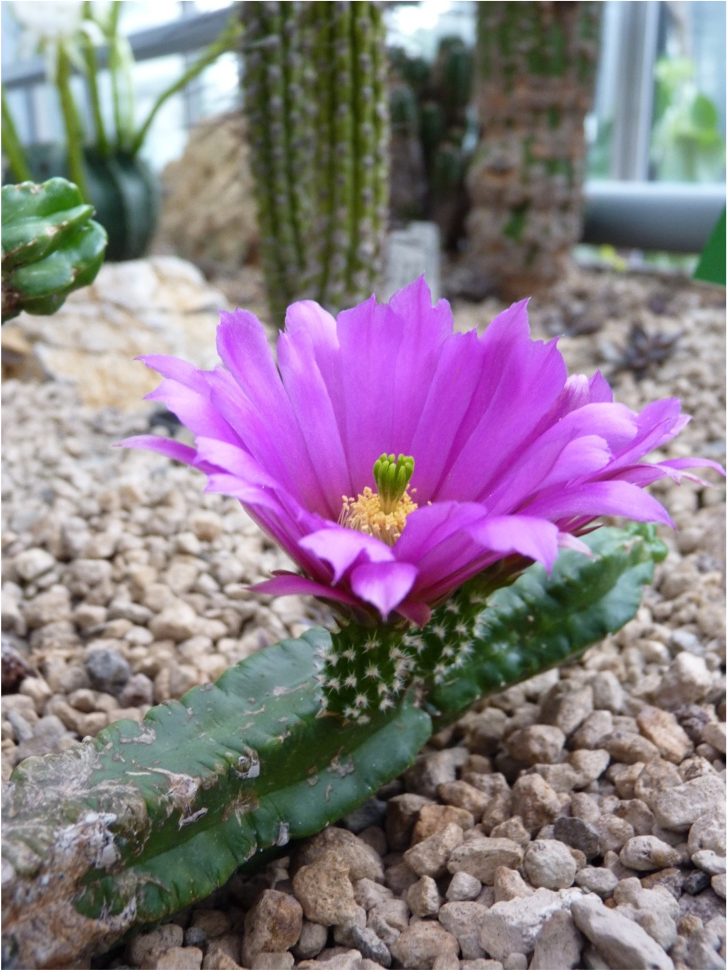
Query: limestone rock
{"x": 324, "y": 890}
{"x": 272, "y": 925}
{"x": 622, "y": 942}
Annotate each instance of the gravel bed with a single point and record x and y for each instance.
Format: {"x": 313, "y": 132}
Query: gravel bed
{"x": 576, "y": 820}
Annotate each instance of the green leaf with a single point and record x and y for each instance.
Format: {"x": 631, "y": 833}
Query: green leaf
{"x": 712, "y": 265}
{"x": 541, "y": 621}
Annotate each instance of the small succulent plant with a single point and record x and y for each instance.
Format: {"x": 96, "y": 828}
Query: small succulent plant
{"x": 646, "y": 349}
{"x": 51, "y": 246}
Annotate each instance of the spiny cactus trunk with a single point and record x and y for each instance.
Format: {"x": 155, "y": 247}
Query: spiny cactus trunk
{"x": 535, "y": 64}
{"x": 316, "y": 104}
{"x": 148, "y": 818}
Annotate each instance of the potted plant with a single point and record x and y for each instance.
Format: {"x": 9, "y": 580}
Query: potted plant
{"x": 104, "y": 162}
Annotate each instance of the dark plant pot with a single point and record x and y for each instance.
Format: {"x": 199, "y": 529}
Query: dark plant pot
{"x": 123, "y": 189}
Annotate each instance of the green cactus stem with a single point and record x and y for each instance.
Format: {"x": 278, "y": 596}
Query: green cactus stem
{"x": 439, "y": 96}
{"x": 50, "y": 244}
{"x": 535, "y": 69}
{"x": 147, "y": 818}
{"x": 318, "y": 125}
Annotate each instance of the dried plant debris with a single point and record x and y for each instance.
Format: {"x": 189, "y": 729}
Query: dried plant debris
{"x": 646, "y": 348}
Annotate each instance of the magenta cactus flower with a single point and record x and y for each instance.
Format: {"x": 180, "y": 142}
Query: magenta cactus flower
{"x": 394, "y": 459}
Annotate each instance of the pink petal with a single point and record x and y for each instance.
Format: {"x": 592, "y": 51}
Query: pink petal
{"x": 341, "y": 548}
{"x": 289, "y": 584}
{"x": 383, "y": 584}
{"x": 164, "y": 446}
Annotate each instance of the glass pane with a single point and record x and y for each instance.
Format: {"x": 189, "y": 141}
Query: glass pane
{"x": 688, "y": 126}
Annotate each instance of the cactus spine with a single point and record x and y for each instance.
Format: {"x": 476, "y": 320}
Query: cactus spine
{"x": 536, "y": 64}
{"x": 316, "y": 105}
{"x": 147, "y": 818}
{"x": 50, "y": 246}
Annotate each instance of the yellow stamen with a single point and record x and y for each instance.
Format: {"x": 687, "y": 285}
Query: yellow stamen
{"x": 366, "y": 514}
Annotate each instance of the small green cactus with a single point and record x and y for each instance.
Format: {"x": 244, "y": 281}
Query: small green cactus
{"x": 440, "y": 94}
{"x": 50, "y": 244}
{"x": 143, "y": 820}
{"x": 318, "y": 124}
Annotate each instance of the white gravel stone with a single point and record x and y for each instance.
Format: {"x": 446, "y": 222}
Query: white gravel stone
{"x": 462, "y": 887}
{"x": 688, "y": 679}
{"x": 644, "y": 853}
{"x": 32, "y": 563}
{"x": 549, "y": 864}
{"x": 677, "y": 808}
{"x": 481, "y": 857}
{"x": 622, "y": 942}
{"x": 513, "y": 926}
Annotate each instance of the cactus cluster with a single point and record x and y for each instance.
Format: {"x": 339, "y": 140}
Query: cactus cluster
{"x": 429, "y": 120}
{"x": 50, "y": 244}
{"x": 315, "y": 99}
{"x": 146, "y": 818}
{"x": 535, "y": 68}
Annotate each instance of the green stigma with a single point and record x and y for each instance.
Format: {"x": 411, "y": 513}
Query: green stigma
{"x": 392, "y": 475}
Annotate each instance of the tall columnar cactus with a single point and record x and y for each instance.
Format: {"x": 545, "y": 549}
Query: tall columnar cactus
{"x": 50, "y": 244}
{"x": 147, "y": 818}
{"x": 315, "y": 99}
{"x": 535, "y": 66}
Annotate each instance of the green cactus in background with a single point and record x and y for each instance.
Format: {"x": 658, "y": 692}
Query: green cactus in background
{"x": 535, "y": 66}
{"x": 146, "y": 818}
{"x": 315, "y": 98}
{"x": 51, "y": 246}
{"x": 440, "y": 93}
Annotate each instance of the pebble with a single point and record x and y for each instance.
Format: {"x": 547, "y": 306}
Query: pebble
{"x": 312, "y": 939}
{"x": 663, "y": 729}
{"x": 324, "y": 890}
{"x": 514, "y": 925}
{"x": 655, "y": 910}
{"x": 535, "y": 801}
{"x": 481, "y": 857}
{"x": 32, "y": 563}
{"x": 537, "y": 744}
{"x": 402, "y": 812}
{"x": 421, "y": 944}
{"x": 597, "y": 880}
{"x": 644, "y": 853}
{"x": 462, "y": 887}
{"x": 273, "y": 924}
{"x": 567, "y": 706}
{"x": 434, "y": 818}
{"x": 462, "y": 919}
{"x": 578, "y": 834}
{"x": 430, "y": 857}
{"x": 108, "y": 670}
{"x": 423, "y": 897}
{"x": 362, "y": 861}
{"x": 687, "y": 680}
{"x": 549, "y": 864}
{"x": 558, "y": 944}
{"x": 620, "y": 941}
{"x": 677, "y": 808}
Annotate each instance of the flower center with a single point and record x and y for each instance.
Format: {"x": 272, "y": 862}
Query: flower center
{"x": 383, "y": 513}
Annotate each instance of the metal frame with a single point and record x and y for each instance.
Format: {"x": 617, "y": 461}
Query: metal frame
{"x": 183, "y": 36}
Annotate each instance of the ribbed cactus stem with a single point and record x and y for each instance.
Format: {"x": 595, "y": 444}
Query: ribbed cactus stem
{"x": 366, "y": 670}
{"x": 315, "y": 99}
{"x": 50, "y": 246}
